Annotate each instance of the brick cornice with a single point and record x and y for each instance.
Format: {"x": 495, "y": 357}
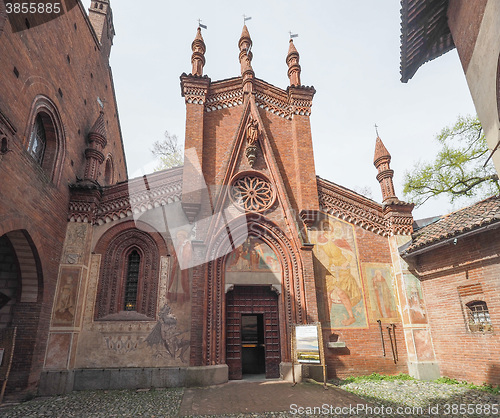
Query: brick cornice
{"x": 295, "y": 100}
{"x": 194, "y": 88}
{"x": 348, "y": 205}
{"x": 122, "y": 200}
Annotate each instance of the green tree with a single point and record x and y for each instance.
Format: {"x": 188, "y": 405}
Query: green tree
{"x": 459, "y": 167}
{"x": 168, "y": 151}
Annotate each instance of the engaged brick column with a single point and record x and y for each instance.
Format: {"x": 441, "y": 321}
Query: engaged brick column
{"x": 422, "y": 362}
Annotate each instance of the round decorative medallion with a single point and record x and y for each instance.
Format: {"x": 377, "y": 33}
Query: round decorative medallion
{"x": 252, "y": 193}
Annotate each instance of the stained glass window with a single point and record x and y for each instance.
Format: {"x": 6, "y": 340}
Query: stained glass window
{"x": 134, "y": 262}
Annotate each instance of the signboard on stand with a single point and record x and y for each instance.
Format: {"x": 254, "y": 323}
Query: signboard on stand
{"x": 307, "y": 347}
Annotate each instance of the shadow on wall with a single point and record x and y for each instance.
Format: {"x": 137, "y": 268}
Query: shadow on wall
{"x": 493, "y": 377}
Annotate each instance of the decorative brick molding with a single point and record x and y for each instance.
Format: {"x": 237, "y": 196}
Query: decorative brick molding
{"x": 55, "y": 149}
{"x": 351, "y": 207}
{"x": 296, "y": 100}
{"x": 194, "y": 88}
{"x": 224, "y": 94}
{"x": 115, "y": 246}
{"x": 138, "y": 195}
{"x": 292, "y": 296}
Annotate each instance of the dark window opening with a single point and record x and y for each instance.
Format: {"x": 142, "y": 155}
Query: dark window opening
{"x": 38, "y": 141}
{"x": 252, "y": 344}
{"x": 134, "y": 262}
{"x": 478, "y": 316}
{"x": 108, "y": 172}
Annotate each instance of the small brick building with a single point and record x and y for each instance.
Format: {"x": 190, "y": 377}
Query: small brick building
{"x": 196, "y": 274}
{"x": 457, "y": 260}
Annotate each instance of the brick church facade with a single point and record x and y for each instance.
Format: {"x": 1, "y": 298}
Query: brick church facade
{"x": 196, "y": 274}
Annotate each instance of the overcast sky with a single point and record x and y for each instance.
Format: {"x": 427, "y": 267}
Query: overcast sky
{"x": 349, "y": 51}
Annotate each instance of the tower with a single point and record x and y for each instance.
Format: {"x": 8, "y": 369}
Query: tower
{"x": 101, "y": 17}
{"x": 396, "y": 212}
{"x": 245, "y": 57}
{"x": 93, "y": 154}
{"x": 198, "y": 57}
{"x": 292, "y": 60}
{"x": 381, "y": 161}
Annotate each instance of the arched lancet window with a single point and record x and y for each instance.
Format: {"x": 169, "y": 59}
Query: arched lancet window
{"x": 132, "y": 281}
{"x": 478, "y": 316}
{"x": 45, "y": 137}
{"x": 129, "y": 276}
{"x": 108, "y": 171}
{"x": 38, "y": 140}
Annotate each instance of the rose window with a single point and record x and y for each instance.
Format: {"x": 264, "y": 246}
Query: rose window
{"x": 252, "y": 193}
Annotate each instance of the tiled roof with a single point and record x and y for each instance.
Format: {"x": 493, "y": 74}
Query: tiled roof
{"x": 425, "y": 34}
{"x": 485, "y": 212}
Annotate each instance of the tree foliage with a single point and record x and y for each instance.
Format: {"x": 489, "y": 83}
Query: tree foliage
{"x": 458, "y": 168}
{"x": 168, "y": 151}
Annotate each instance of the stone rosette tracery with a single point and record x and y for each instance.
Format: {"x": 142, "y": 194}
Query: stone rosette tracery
{"x": 252, "y": 192}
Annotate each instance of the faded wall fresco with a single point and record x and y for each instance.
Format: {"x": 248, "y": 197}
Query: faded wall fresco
{"x": 179, "y": 284}
{"x": 253, "y": 262}
{"x": 128, "y": 341}
{"x": 339, "y": 286}
{"x": 382, "y": 302}
{"x": 415, "y": 297}
{"x": 66, "y": 297}
{"x": 253, "y": 255}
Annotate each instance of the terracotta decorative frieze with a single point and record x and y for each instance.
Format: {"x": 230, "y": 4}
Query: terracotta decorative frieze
{"x": 224, "y": 99}
{"x": 194, "y": 88}
{"x": 273, "y": 104}
{"x": 229, "y": 93}
{"x": 351, "y": 207}
{"x": 123, "y": 200}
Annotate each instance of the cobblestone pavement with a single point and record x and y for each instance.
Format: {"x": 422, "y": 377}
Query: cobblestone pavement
{"x": 268, "y": 399}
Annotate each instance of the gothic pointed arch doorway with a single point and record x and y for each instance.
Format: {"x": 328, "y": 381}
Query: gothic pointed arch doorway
{"x": 252, "y": 332}
{"x": 285, "y": 292}
{"x": 253, "y": 277}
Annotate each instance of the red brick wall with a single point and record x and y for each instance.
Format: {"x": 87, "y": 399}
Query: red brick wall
{"x": 462, "y": 354}
{"x": 30, "y": 200}
{"x": 363, "y": 353}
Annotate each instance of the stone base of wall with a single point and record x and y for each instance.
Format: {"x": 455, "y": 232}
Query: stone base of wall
{"x": 424, "y": 371}
{"x": 59, "y": 382}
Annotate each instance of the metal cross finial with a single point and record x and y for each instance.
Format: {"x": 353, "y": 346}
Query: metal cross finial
{"x": 376, "y": 129}
{"x": 201, "y": 25}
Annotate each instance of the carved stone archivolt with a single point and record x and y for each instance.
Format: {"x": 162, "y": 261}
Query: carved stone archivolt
{"x": 110, "y": 291}
{"x": 292, "y": 292}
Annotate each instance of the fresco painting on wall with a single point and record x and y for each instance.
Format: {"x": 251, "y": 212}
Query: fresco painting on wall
{"x": 65, "y": 302}
{"x": 253, "y": 255}
{"x": 168, "y": 338}
{"x": 179, "y": 285}
{"x": 423, "y": 345}
{"x": 381, "y": 294}
{"x": 335, "y": 251}
{"x": 415, "y": 306}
